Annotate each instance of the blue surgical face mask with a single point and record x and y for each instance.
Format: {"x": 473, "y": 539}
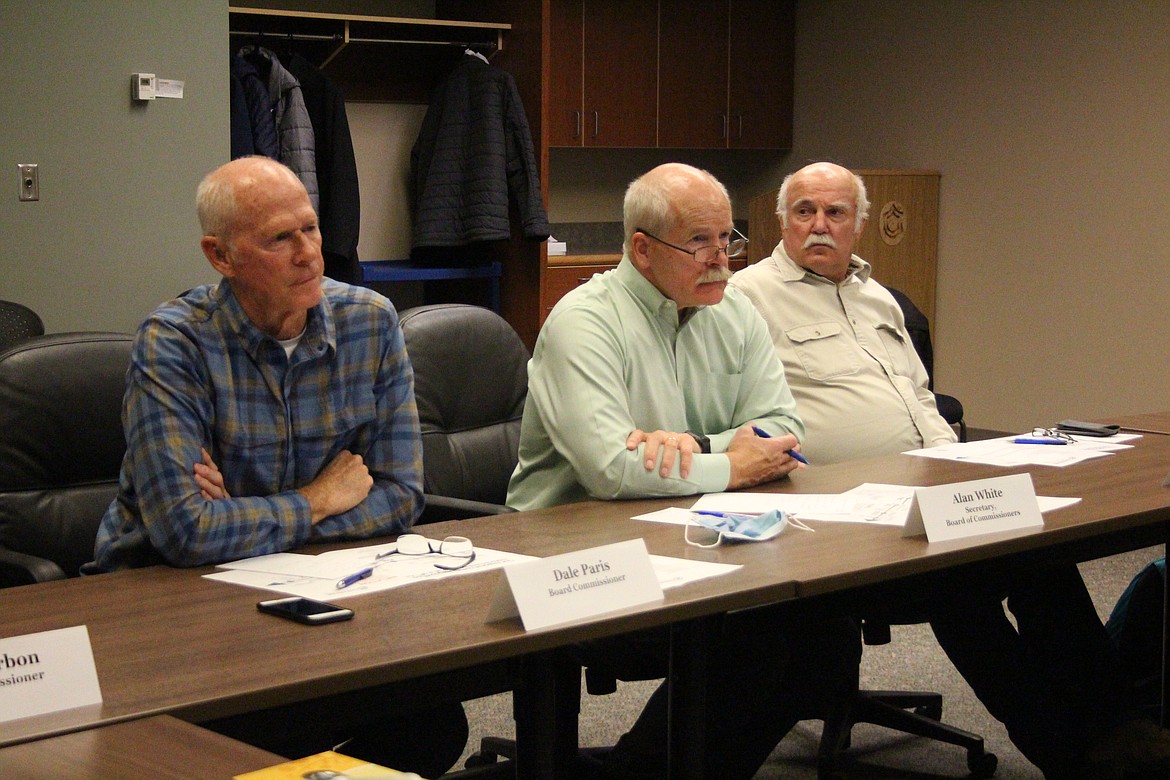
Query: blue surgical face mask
{"x": 743, "y": 528}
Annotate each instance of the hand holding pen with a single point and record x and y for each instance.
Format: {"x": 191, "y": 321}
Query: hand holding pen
{"x": 792, "y": 453}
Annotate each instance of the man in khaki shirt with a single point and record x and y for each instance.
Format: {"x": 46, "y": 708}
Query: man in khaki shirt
{"x": 1051, "y": 677}
{"x": 859, "y": 385}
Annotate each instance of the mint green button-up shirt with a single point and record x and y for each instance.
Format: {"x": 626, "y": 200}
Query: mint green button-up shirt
{"x": 612, "y": 357}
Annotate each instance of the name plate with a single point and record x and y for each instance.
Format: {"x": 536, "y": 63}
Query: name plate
{"x": 983, "y": 506}
{"x": 46, "y": 672}
{"x": 564, "y": 588}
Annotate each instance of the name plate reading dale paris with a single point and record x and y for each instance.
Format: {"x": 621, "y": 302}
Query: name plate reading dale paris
{"x": 576, "y": 585}
{"x": 963, "y": 509}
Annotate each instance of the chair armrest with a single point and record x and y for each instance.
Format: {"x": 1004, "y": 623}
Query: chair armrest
{"x": 438, "y": 508}
{"x": 18, "y": 568}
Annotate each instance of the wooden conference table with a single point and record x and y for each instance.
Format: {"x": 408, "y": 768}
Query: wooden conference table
{"x": 167, "y": 641}
{"x": 145, "y": 749}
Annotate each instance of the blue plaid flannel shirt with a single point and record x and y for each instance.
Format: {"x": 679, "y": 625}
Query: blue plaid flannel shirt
{"x": 202, "y": 375}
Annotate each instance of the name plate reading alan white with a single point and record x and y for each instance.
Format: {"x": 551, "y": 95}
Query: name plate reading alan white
{"x": 983, "y": 506}
{"x": 564, "y": 588}
{"x": 47, "y": 672}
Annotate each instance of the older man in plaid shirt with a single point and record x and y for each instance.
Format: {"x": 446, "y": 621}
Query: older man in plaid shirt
{"x": 269, "y": 410}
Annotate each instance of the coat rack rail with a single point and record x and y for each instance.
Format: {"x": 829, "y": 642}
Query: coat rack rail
{"x": 345, "y": 30}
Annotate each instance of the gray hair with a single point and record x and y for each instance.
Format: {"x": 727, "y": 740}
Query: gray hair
{"x": 648, "y": 204}
{"x": 861, "y": 206}
{"x": 215, "y": 203}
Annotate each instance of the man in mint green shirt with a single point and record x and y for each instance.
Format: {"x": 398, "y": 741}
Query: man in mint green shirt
{"x": 646, "y": 381}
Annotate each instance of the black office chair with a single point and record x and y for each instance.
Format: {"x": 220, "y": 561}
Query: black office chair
{"x": 61, "y": 448}
{"x": 912, "y": 712}
{"x": 17, "y": 323}
{"x": 470, "y": 383}
{"x": 918, "y": 326}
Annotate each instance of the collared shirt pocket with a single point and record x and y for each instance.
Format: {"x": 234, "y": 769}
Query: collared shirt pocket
{"x": 895, "y": 346}
{"x": 823, "y": 351}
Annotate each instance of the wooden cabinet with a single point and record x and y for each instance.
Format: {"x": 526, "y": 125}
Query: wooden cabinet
{"x": 692, "y": 54}
{"x": 562, "y": 278}
{"x": 602, "y": 74}
{"x": 566, "y": 104}
{"x": 900, "y": 239}
{"x": 572, "y": 271}
{"x": 725, "y": 83}
{"x": 760, "y": 74}
{"x": 698, "y": 74}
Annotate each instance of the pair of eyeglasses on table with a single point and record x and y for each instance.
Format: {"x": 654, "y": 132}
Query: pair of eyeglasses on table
{"x": 1045, "y": 436}
{"x": 417, "y": 544}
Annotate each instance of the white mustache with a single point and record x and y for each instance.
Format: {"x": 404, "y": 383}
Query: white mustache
{"x": 820, "y": 238}
{"x": 716, "y": 274}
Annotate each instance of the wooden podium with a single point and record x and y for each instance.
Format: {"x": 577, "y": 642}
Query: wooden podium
{"x": 900, "y": 240}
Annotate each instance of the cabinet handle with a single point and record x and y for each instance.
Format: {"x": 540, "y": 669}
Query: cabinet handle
{"x": 596, "y": 124}
{"x": 577, "y": 116}
{"x": 740, "y": 117}
{"x": 723, "y": 131}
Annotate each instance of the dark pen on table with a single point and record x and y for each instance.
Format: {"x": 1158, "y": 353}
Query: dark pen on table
{"x": 765, "y": 435}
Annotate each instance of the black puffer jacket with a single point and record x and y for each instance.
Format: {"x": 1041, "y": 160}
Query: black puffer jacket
{"x": 473, "y": 153}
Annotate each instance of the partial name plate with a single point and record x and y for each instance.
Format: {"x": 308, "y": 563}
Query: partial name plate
{"x": 577, "y": 585}
{"x": 963, "y": 509}
{"x": 47, "y": 672}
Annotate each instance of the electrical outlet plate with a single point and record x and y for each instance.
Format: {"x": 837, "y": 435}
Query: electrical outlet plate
{"x": 30, "y": 181}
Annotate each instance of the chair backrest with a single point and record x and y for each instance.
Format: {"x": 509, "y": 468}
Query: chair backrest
{"x": 61, "y": 445}
{"x": 919, "y": 328}
{"x": 17, "y": 323}
{"x": 470, "y": 383}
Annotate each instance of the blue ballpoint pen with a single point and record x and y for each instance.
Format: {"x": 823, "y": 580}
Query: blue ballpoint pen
{"x": 765, "y": 435}
{"x": 345, "y": 582}
{"x": 1027, "y": 440}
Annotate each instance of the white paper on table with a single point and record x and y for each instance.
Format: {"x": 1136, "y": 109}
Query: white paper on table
{"x": 1004, "y": 452}
{"x": 806, "y": 506}
{"x": 672, "y": 572}
{"x": 672, "y": 514}
{"x": 317, "y": 578}
{"x": 881, "y": 504}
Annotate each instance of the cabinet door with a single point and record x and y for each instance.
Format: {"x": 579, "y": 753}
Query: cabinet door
{"x": 692, "y": 74}
{"x": 566, "y": 122}
{"x": 560, "y": 279}
{"x": 621, "y": 73}
{"x": 762, "y": 66}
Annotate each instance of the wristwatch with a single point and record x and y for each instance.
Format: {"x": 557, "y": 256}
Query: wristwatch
{"x": 704, "y": 442}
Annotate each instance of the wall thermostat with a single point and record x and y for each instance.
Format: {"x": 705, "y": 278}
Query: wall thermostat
{"x": 143, "y": 86}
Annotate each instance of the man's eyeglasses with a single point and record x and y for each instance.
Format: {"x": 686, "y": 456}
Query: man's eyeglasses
{"x": 1052, "y": 433}
{"x": 707, "y": 254}
{"x": 416, "y": 544}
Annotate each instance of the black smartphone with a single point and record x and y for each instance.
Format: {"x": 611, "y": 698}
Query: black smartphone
{"x": 305, "y": 610}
